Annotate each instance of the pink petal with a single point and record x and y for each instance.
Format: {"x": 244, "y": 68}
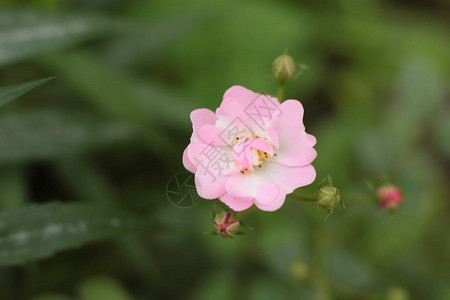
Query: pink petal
{"x": 296, "y": 146}
{"x": 287, "y": 178}
{"x": 263, "y": 111}
{"x": 232, "y": 122}
{"x": 210, "y": 175}
{"x": 242, "y": 155}
{"x": 251, "y": 186}
{"x": 231, "y": 109}
{"x": 311, "y": 140}
{"x": 292, "y": 115}
{"x": 199, "y": 118}
{"x": 210, "y": 159}
{"x": 240, "y": 92}
{"x": 209, "y": 187}
{"x": 255, "y": 111}
{"x": 236, "y": 203}
{"x": 296, "y": 152}
{"x": 260, "y": 144}
{"x": 187, "y": 162}
{"x": 273, "y": 137}
{"x": 211, "y": 135}
{"x": 279, "y": 201}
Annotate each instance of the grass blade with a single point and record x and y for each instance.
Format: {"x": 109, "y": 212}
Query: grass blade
{"x": 9, "y": 93}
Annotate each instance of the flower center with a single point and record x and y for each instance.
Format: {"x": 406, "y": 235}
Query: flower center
{"x": 251, "y": 152}
{"x": 258, "y": 156}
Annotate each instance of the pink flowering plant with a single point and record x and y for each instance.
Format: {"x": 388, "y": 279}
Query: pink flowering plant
{"x": 254, "y": 150}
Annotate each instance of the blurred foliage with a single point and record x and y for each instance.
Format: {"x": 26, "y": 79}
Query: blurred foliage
{"x": 35, "y": 232}
{"x": 108, "y": 133}
{"x": 10, "y": 93}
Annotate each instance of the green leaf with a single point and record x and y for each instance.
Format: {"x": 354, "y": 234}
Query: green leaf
{"x": 13, "y": 190}
{"x": 49, "y": 134}
{"x": 9, "y": 93}
{"x": 119, "y": 94}
{"x": 37, "y": 231}
{"x": 86, "y": 181}
{"x": 148, "y": 43}
{"x": 27, "y": 34}
{"x": 51, "y": 297}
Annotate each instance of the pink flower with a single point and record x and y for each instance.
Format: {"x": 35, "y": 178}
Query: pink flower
{"x": 390, "y": 197}
{"x": 253, "y": 150}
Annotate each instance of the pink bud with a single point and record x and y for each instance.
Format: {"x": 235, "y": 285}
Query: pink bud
{"x": 225, "y": 224}
{"x": 390, "y": 197}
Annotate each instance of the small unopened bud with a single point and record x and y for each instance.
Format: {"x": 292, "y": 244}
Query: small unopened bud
{"x": 329, "y": 197}
{"x": 225, "y": 224}
{"x": 397, "y": 293}
{"x": 284, "y": 67}
{"x": 299, "y": 271}
{"x": 389, "y": 197}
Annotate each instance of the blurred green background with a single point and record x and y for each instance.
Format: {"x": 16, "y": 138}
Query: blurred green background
{"x": 111, "y": 128}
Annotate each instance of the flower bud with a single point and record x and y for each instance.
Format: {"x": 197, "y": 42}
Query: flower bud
{"x": 389, "y": 197}
{"x": 329, "y": 197}
{"x": 284, "y": 67}
{"x": 225, "y": 224}
{"x": 397, "y": 293}
{"x": 299, "y": 271}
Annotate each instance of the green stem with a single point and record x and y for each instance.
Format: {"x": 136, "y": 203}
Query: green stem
{"x": 358, "y": 200}
{"x": 319, "y": 279}
{"x": 348, "y": 200}
{"x": 303, "y": 197}
{"x": 281, "y": 86}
